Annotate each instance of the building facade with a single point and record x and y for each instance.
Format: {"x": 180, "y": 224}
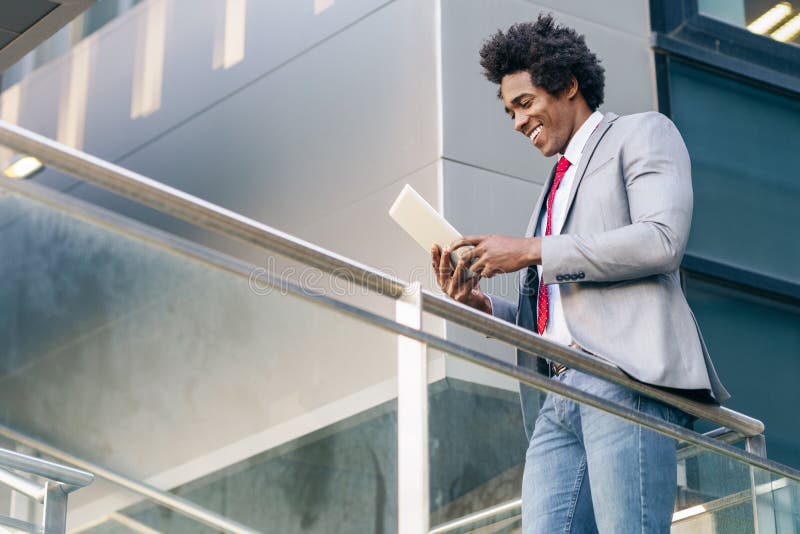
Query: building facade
{"x": 311, "y": 116}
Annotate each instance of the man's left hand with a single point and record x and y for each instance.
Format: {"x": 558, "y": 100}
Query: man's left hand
{"x": 498, "y": 254}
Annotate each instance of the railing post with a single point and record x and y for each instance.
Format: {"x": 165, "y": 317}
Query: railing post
{"x": 54, "y": 516}
{"x": 760, "y": 492}
{"x": 413, "y": 502}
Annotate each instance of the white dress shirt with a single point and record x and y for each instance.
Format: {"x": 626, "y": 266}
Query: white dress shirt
{"x": 556, "y": 325}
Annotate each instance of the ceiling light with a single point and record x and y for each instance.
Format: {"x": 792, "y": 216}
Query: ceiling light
{"x": 771, "y": 18}
{"x": 22, "y": 167}
{"x": 788, "y": 31}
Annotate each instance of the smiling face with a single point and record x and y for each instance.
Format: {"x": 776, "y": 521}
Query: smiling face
{"x": 549, "y": 121}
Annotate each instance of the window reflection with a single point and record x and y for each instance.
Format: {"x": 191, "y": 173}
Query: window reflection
{"x": 148, "y": 75}
{"x": 73, "y": 98}
{"x": 9, "y": 112}
{"x": 778, "y": 20}
{"x": 230, "y": 35}
{"x": 322, "y": 5}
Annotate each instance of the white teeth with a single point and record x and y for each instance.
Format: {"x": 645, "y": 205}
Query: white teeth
{"x": 535, "y": 132}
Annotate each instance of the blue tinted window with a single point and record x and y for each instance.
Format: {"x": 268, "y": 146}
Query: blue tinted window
{"x": 745, "y": 147}
{"x": 755, "y": 345}
{"x": 777, "y": 20}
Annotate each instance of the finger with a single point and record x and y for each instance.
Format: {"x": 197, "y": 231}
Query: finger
{"x": 460, "y": 271}
{"x": 435, "y": 259}
{"x": 444, "y": 272}
{"x": 445, "y": 263}
{"x": 466, "y": 240}
{"x": 466, "y": 288}
{"x": 435, "y": 254}
{"x": 478, "y": 266}
{"x": 468, "y": 255}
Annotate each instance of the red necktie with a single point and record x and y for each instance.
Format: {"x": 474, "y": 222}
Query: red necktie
{"x": 544, "y": 300}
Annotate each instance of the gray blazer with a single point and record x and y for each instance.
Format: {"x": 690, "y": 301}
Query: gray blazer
{"x": 617, "y": 258}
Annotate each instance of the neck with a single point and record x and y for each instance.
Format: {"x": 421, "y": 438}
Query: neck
{"x": 581, "y": 116}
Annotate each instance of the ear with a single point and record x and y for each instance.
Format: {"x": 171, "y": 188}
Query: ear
{"x": 572, "y": 89}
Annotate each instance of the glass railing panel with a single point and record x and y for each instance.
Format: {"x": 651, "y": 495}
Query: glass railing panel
{"x": 263, "y": 407}
{"x": 713, "y": 493}
{"x": 477, "y": 444}
{"x": 718, "y": 493}
{"x": 484, "y": 455}
{"x": 113, "y": 524}
{"x": 339, "y": 479}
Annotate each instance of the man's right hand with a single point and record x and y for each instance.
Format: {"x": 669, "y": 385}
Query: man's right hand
{"x": 453, "y": 281}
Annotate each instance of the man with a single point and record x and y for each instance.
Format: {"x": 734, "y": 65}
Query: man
{"x": 600, "y": 273}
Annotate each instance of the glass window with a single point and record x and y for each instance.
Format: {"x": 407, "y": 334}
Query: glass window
{"x": 754, "y": 343}
{"x": 745, "y": 155}
{"x": 777, "y": 20}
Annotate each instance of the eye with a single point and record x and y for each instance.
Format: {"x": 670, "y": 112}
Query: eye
{"x": 526, "y": 104}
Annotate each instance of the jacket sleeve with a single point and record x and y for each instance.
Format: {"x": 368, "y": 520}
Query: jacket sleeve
{"x": 503, "y": 309}
{"x": 657, "y": 178}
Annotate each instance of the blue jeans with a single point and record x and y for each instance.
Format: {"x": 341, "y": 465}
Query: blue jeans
{"x": 588, "y": 471}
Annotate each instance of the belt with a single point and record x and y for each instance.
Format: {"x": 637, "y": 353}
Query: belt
{"x": 557, "y": 368}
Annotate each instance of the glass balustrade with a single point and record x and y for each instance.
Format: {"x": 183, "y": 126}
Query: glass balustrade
{"x": 715, "y": 493}
{"x": 186, "y": 369}
{"x": 124, "y": 350}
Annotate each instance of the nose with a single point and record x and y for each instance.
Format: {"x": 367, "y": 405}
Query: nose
{"x": 520, "y": 121}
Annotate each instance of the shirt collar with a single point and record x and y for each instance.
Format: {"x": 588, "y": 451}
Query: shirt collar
{"x": 578, "y": 141}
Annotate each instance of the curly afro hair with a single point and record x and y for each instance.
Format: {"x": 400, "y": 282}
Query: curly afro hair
{"x": 552, "y": 54}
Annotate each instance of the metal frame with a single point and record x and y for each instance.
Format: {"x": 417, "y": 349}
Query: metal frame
{"x": 233, "y": 225}
{"x": 412, "y": 419}
{"x": 61, "y": 481}
{"x": 743, "y": 280}
{"x": 173, "y": 502}
{"x": 680, "y": 30}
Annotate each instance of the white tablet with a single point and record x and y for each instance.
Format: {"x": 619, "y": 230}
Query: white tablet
{"x": 423, "y": 223}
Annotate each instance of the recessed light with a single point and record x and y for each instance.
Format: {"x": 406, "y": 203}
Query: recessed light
{"x": 770, "y": 18}
{"x": 22, "y": 167}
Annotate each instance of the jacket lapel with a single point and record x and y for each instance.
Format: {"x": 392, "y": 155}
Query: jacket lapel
{"x": 531, "y": 271}
{"x": 538, "y": 206}
{"x": 586, "y": 157}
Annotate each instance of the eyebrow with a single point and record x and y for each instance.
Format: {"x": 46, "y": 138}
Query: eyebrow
{"x": 516, "y": 101}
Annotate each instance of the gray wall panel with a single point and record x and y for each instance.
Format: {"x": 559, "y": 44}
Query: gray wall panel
{"x": 275, "y": 32}
{"x": 630, "y": 16}
{"x": 344, "y": 120}
{"x": 364, "y": 231}
{"x": 476, "y": 131}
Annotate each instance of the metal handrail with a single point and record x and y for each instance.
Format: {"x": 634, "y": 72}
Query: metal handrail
{"x": 183, "y": 506}
{"x": 233, "y": 225}
{"x": 716, "y": 440}
{"x": 19, "y": 525}
{"x": 60, "y": 480}
{"x": 72, "y": 478}
{"x": 26, "y": 486}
